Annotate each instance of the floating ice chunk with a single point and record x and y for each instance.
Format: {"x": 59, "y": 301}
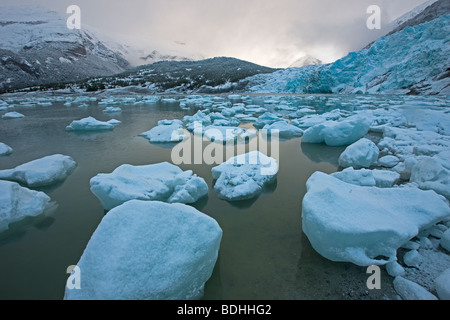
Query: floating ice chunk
{"x": 338, "y": 133}
{"x": 149, "y": 250}
{"x": 151, "y": 99}
{"x": 5, "y": 149}
{"x": 385, "y": 178}
{"x": 234, "y": 97}
{"x": 410, "y": 290}
{"x": 89, "y": 124}
{"x": 442, "y": 284}
{"x": 160, "y": 182}
{"x": 365, "y": 225}
{"x": 284, "y": 129}
{"x": 41, "y": 172}
{"x": 167, "y": 131}
{"x": 267, "y": 119}
{"x": 429, "y": 174}
{"x": 112, "y": 110}
{"x": 361, "y": 154}
{"x": 388, "y": 161}
{"x": 244, "y": 176}
{"x": 12, "y": 115}
{"x": 224, "y": 134}
{"x": 17, "y": 203}
{"x": 200, "y": 118}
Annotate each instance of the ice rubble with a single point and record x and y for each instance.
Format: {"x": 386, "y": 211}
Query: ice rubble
{"x": 91, "y": 124}
{"x": 159, "y": 182}
{"x": 284, "y": 130}
{"x": 17, "y": 203}
{"x": 244, "y": 177}
{"x": 5, "y": 149}
{"x": 166, "y": 131}
{"x": 366, "y": 225}
{"x": 41, "y": 172}
{"x": 149, "y": 250}
{"x": 362, "y": 154}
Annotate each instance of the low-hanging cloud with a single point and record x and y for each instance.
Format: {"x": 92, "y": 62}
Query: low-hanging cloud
{"x": 268, "y": 32}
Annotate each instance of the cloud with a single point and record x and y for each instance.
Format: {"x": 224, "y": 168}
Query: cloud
{"x": 268, "y": 32}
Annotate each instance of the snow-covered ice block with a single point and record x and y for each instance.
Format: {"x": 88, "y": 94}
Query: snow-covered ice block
{"x": 267, "y": 119}
{"x": 159, "y": 182}
{"x": 429, "y": 174}
{"x": 17, "y": 203}
{"x": 149, "y": 250}
{"x": 412, "y": 258}
{"x": 244, "y": 176}
{"x": 385, "y": 178}
{"x": 12, "y": 115}
{"x": 361, "y": 177}
{"x": 200, "y": 118}
{"x": 442, "y": 284}
{"x": 112, "y": 110}
{"x": 410, "y": 290}
{"x": 388, "y": 161}
{"x": 225, "y": 134}
{"x": 361, "y": 154}
{"x": 41, "y": 172}
{"x": 366, "y": 225}
{"x": 5, "y": 149}
{"x": 166, "y": 131}
{"x": 394, "y": 269}
{"x": 90, "y": 124}
{"x": 338, "y": 133}
{"x": 284, "y": 129}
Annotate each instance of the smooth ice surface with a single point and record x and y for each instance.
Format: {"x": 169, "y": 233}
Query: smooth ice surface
{"x": 17, "y": 203}
{"x": 338, "y": 133}
{"x": 149, "y": 250}
{"x": 5, "y": 149}
{"x": 244, "y": 176}
{"x": 166, "y": 131}
{"x": 362, "y": 154}
{"x": 90, "y": 124}
{"x": 410, "y": 290}
{"x": 365, "y": 225}
{"x": 159, "y": 182}
{"x": 41, "y": 172}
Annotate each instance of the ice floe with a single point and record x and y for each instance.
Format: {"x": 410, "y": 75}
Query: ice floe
{"x": 42, "y": 172}
{"x": 17, "y": 203}
{"x": 362, "y": 154}
{"x": 159, "y": 182}
{"x": 149, "y": 250}
{"x": 91, "y": 124}
{"x": 5, "y": 149}
{"x": 12, "y": 115}
{"x": 244, "y": 177}
{"x": 166, "y": 131}
{"x": 366, "y": 225}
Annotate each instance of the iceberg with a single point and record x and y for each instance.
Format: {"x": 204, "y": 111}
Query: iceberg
{"x": 17, "y": 203}
{"x": 41, "y": 172}
{"x": 284, "y": 129}
{"x": 91, "y": 124}
{"x": 362, "y": 154}
{"x": 167, "y": 131}
{"x": 366, "y": 225}
{"x": 12, "y": 115}
{"x": 338, "y": 133}
{"x": 5, "y": 149}
{"x": 244, "y": 177}
{"x": 158, "y": 182}
{"x": 149, "y": 250}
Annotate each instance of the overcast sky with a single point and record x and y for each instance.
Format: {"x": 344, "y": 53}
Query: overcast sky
{"x": 268, "y": 32}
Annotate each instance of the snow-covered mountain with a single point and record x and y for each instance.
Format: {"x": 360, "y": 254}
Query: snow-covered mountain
{"x": 304, "y": 61}
{"x": 37, "y": 48}
{"x": 413, "y": 60}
